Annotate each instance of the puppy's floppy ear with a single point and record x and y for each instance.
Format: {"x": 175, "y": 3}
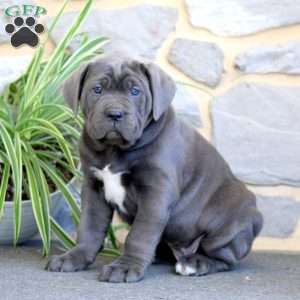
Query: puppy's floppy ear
{"x": 72, "y": 87}
{"x": 162, "y": 87}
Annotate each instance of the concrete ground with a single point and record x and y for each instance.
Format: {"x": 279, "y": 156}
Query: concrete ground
{"x": 261, "y": 276}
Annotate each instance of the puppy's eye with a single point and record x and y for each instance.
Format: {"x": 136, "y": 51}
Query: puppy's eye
{"x": 98, "y": 89}
{"x": 135, "y": 91}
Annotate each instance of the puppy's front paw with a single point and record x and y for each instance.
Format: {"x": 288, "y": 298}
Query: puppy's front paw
{"x": 120, "y": 271}
{"x": 71, "y": 261}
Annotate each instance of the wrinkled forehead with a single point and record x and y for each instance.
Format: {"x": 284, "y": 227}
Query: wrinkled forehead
{"x": 116, "y": 70}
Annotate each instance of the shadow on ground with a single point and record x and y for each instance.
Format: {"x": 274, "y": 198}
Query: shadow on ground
{"x": 263, "y": 275}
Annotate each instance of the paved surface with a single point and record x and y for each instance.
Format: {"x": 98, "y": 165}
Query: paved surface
{"x": 263, "y": 275}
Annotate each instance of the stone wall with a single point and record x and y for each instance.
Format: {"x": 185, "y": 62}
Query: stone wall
{"x": 237, "y": 67}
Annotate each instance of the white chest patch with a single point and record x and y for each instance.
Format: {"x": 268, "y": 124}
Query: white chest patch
{"x": 113, "y": 190}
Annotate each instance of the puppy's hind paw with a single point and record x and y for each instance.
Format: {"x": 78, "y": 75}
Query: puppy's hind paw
{"x": 185, "y": 269}
{"x": 199, "y": 265}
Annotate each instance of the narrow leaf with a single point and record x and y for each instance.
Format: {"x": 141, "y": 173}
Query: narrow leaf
{"x": 3, "y": 187}
{"x": 65, "y": 191}
{"x": 36, "y": 202}
{"x": 17, "y": 179}
{"x": 63, "y": 236}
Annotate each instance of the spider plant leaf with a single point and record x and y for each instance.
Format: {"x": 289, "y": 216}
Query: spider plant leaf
{"x": 112, "y": 237}
{"x": 82, "y": 54}
{"x": 45, "y": 199}
{"x": 55, "y": 158}
{"x": 48, "y": 128}
{"x": 68, "y": 130}
{"x": 64, "y": 43}
{"x": 121, "y": 226}
{"x": 17, "y": 180}
{"x": 110, "y": 252}
{"x": 4, "y": 116}
{"x": 3, "y": 187}
{"x": 43, "y": 132}
{"x": 7, "y": 124}
{"x": 33, "y": 73}
{"x": 13, "y": 156}
{"x": 63, "y": 236}
{"x": 3, "y": 157}
{"x": 37, "y": 201}
{"x": 60, "y": 184}
{"x": 47, "y": 109}
{"x": 56, "y": 18}
{"x": 79, "y": 56}
{"x": 8, "y": 146}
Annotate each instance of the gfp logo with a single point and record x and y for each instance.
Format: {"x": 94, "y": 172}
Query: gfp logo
{"x": 24, "y": 28}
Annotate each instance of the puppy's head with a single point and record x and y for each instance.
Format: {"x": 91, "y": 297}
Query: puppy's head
{"x": 119, "y": 97}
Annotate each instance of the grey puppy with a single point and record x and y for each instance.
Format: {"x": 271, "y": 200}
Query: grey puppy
{"x": 161, "y": 176}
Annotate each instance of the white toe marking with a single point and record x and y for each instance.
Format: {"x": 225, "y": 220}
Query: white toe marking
{"x": 178, "y": 268}
{"x": 113, "y": 190}
{"x": 185, "y": 270}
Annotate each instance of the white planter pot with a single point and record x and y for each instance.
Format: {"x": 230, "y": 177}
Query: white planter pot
{"x": 28, "y": 225}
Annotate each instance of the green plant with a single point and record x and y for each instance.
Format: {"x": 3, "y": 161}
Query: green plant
{"x": 39, "y": 134}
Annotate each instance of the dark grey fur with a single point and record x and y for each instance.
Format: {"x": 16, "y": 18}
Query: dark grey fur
{"x": 180, "y": 193}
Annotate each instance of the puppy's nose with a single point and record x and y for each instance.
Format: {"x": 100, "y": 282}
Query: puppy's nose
{"x": 114, "y": 115}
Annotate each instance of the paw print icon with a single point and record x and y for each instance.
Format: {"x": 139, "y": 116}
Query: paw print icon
{"x": 24, "y": 31}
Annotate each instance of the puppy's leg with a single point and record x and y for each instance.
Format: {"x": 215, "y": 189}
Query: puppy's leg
{"x": 144, "y": 236}
{"x": 95, "y": 219}
{"x": 222, "y": 258}
{"x": 139, "y": 250}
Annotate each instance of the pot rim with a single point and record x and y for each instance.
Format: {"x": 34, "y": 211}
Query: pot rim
{"x": 28, "y": 202}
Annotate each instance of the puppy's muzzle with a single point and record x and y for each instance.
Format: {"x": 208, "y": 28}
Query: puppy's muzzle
{"x": 114, "y": 115}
